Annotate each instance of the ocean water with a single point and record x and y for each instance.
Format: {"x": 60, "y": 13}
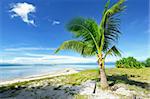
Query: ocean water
{"x": 11, "y": 72}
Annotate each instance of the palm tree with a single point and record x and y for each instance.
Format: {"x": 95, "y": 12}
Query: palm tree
{"x": 93, "y": 39}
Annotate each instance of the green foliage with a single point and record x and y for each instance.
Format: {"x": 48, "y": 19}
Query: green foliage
{"x": 86, "y": 32}
{"x": 91, "y": 38}
{"x": 146, "y": 62}
{"x": 86, "y": 29}
{"x": 78, "y": 96}
{"x": 116, "y": 74}
{"x": 109, "y": 26}
{"x": 77, "y": 46}
{"x": 113, "y": 51}
{"x": 129, "y": 62}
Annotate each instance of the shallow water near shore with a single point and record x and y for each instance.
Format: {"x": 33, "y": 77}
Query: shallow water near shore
{"x": 12, "y": 72}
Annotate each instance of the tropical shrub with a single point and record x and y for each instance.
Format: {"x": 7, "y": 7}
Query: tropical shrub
{"x": 129, "y": 62}
{"x": 147, "y": 62}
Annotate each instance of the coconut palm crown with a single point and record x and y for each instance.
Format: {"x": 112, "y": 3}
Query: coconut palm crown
{"x": 93, "y": 39}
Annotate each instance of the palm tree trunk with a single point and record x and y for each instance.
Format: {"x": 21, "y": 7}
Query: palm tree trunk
{"x": 103, "y": 82}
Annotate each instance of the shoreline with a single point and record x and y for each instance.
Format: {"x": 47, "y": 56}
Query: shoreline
{"x": 80, "y": 84}
{"x": 64, "y": 71}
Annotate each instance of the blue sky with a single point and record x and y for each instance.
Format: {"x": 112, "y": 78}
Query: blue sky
{"x": 30, "y": 30}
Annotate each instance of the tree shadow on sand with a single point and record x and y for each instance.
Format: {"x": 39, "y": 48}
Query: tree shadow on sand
{"x": 38, "y": 92}
{"x": 52, "y": 91}
{"x": 125, "y": 79}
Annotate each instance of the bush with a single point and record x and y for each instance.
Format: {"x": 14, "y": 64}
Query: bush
{"x": 147, "y": 62}
{"x": 129, "y": 62}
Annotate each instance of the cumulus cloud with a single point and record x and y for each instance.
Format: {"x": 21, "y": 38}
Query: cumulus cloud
{"x": 23, "y": 10}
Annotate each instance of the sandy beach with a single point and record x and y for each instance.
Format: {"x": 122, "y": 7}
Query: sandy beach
{"x": 65, "y": 71}
{"x": 72, "y": 84}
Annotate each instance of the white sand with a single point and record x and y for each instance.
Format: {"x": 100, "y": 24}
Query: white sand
{"x": 43, "y": 89}
{"x": 65, "y": 71}
{"x": 40, "y": 90}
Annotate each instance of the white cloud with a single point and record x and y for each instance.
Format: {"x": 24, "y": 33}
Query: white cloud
{"x": 24, "y": 56}
{"x": 55, "y": 22}
{"x": 23, "y": 10}
{"x": 28, "y": 49}
{"x": 48, "y": 59}
{"x": 32, "y": 58}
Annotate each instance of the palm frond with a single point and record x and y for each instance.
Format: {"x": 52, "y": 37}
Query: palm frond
{"x": 88, "y": 51}
{"x": 106, "y": 6}
{"x": 112, "y": 24}
{"x": 112, "y": 32}
{"x": 71, "y": 45}
{"x": 113, "y": 51}
{"x": 109, "y": 26}
{"x": 92, "y": 39}
{"x": 116, "y": 8}
{"x": 77, "y": 46}
{"x": 85, "y": 29}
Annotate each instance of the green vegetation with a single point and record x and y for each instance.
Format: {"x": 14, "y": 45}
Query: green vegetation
{"x": 135, "y": 79}
{"x": 129, "y": 62}
{"x": 81, "y": 97}
{"x": 147, "y": 62}
{"x": 93, "y": 39}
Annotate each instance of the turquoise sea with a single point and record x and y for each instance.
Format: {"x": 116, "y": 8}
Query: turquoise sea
{"x": 15, "y": 71}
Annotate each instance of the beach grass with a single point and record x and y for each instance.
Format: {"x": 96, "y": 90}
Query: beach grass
{"x": 119, "y": 75}
{"x": 134, "y": 79}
